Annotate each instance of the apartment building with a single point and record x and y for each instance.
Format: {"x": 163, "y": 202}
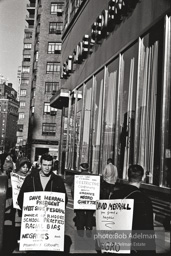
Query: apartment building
{"x": 38, "y": 123}
{"x": 8, "y": 116}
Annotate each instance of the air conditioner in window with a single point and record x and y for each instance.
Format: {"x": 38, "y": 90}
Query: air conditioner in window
{"x": 59, "y": 12}
{"x": 53, "y": 30}
{"x": 53, "y": 113}
{"x": 57, "y": 51}
{"x": 53, "y": 92}
{"x": 58, "y": 31}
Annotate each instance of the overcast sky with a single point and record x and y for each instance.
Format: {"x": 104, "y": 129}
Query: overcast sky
{"x": 12, "y": 24}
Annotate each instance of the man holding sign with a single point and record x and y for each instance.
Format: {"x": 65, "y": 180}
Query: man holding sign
{"x": 86, "y": 192}
{"x": 42, "y": 179}
{"x": 43, "y": 217}
{"x": 143, "y": 212}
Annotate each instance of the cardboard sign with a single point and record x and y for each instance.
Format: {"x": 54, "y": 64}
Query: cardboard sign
{"x": 114, "y": 225}
{"x": 86, "y": 191}
{"x": 43, "y": 221}
{"x": 16, "y": 183}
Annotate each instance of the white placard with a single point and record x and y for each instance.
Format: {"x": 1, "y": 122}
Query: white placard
{"x": 16, "y": 183}
{"x": 114, "y": 224}
{"x": 86, "y": 191}
{"x": 43, "y": 221}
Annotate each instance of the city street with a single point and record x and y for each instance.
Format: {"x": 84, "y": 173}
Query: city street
{"x": 72, "y": 241}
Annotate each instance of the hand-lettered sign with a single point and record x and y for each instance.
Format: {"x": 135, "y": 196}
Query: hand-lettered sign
{"x": 114, "y": 225}
{"x": 86, "y": 191}
{"x": 43, "y": 221}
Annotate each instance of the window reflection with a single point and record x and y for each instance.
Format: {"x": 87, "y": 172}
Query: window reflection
{"x": 78, "y": 126}
{"x": 149, "y": 105}
{"x": 110, "y": 112}
{"x": 71, "y": 134}
{"x": 127, "y": 109}
{"x": 86, "y": 125}
{"x": 97, "y": 120}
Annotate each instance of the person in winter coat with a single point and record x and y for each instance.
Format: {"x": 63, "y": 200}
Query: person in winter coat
{"x": 22, "y": 169}
{"x": 42, "y": 179}
{"x": 143, "y": 211}
{"x": 109, "y": 178}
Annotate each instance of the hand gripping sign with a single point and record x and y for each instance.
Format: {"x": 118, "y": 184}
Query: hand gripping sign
{"x": 114, "y": 225}
{"x": 86, "y": 191}
{"x": 43, "y": 221}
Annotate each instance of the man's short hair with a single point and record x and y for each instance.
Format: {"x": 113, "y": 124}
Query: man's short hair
{"x": 109, "y": 160}
{"x": 46, "y": 157}
{"x": 84, "y": 166}
{"x": 135, "y": 173}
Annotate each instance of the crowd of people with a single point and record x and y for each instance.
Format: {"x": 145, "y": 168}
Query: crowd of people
{"x": 41, "y": 177}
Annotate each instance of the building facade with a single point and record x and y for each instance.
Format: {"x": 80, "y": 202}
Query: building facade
{"x": 39, "y": 124}
{"x": 115, "y": 91}
{"x": 8, "y": 116}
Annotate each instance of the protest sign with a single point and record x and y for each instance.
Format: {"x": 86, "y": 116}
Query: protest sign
{"x": 114, "y": 224}
{"x": 86, "y": 191}
{"x": 43, "y": 221}
{"x": 16, "y": 183}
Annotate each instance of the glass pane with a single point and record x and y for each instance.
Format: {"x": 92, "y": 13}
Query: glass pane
{"x": 71, "y": 135}
{"x": 78, "y": 127}
{"x": 149, "y": 105}
{"x": 165, "y": 178}
{"x": 110, "y": 111}
{"x": 86, "y": 126}
{"x": 97, "y": 119}
{"x": 127, "y": 109}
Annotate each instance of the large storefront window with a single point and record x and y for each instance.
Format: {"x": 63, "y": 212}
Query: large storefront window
{"x": 97, "y": 120}
{"x": 86, "y": 123}
{"x": 149, "y": 105}
{"x": 127, "y": 91}
{"x": 124, "y": 111}
{"x": 111, "y": 85}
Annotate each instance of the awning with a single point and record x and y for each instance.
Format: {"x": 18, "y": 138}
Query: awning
{"x": 60, "y": 99}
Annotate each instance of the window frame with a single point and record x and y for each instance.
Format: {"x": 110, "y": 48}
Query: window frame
{"x": 54, "y": 47}
{"x": 27, "y": 46}
{"x": 55, "y": 27}
{"x": 49, "y": 125}
{"x": 21, "y": 116}
{"x": 22, "y": 105}
{"x": 56, "y": 6}
{"x": 52, "y": 67}
{"x": 23, "y": 92}
{"x": 51, "y": 86}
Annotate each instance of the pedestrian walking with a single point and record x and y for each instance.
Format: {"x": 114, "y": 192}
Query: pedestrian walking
{"x": 22, "y": 169}
{"x": 42, "y": 179}
{"x": 109, "y": 178}
{"x": 143, "y": 211}
{"x": 23, "y": 166}
{"x": 84, "y": 219}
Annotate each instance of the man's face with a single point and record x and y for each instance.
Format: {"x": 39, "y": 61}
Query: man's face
{"x": 46, "y": 167}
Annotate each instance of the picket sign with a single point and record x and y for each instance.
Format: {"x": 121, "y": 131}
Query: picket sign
{"x": 16, "y": 183}
{"x": 86, "y": 191}
{"x": 43, "y": 221}
{"x": 114, "y": 225}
